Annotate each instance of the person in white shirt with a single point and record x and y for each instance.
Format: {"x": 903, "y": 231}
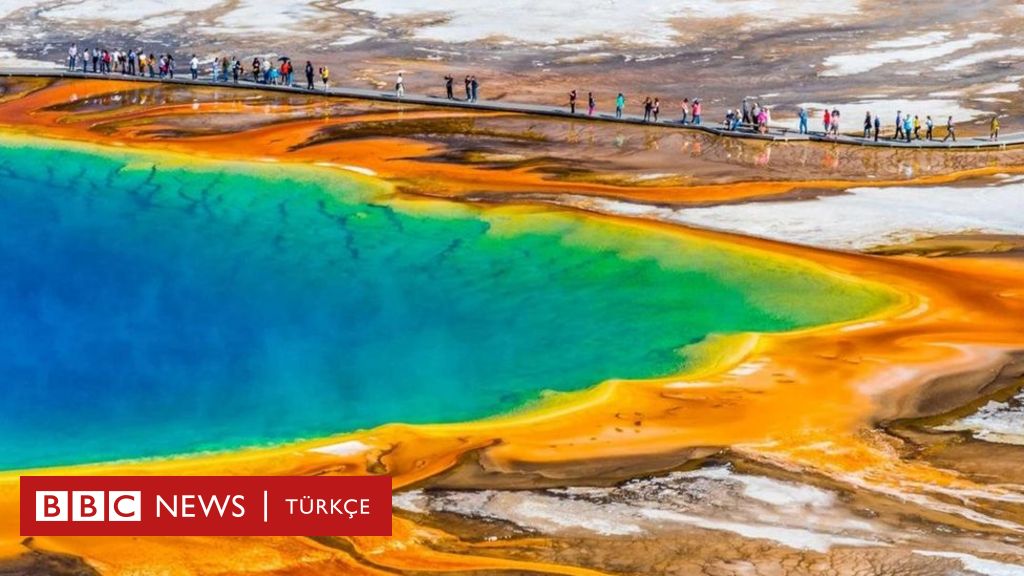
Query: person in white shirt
{"x": 72, "y": 57}
{"x": 193, "y": 65}
{"x": 400, "y": 86}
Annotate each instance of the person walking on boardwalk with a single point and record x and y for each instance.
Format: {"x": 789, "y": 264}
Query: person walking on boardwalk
{"x": 899, "y": 125}
{"x": 647, "y": 109}
{"x": 256, "y": 70}
{"x": 835, "y": 123}
{"x": 867, "y": 125}
{"x": 236, "y": 68}
{"x": 72, "y": 57}
{"x": 917, "y": 127}
{"x": 449, "y": 86}
{"x": 950, "y": 130}
{"x": 591, "y": 104}
{"x": 474, "y": 88}
{"x": 803, "y": 120}
{"x": 655, "y": 110}
{"x": 170, "y": 66}
{"x": 193, "y": 66}
{"x": 929, "y": 128}
{"x": 696, "y": 111}
{"x": 878, "y": 126}
{"x": 151, "y": 64}
{"x": 572, "y": 102}
{"x": 993, "y": 131}
{"x": 325, "y": 76}
{"x": 85, "y": 61}
{"x": 908, "y": 126}
{"x": 225, "y": 66}
{"x": 469, "y": 90}
{"x": 399, "y": 86}
{"x": 620, "y": 105}
{"x": 309, "y": 76}
{"x": 686, "y": 111}
{"x": 96, "y": 59}
{"x": 746, "y": 112}
{"x": 826, "y": 121}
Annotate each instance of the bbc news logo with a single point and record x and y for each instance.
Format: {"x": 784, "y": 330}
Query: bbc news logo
{"x": 205, "y": 506}
{"x": 88, "y": 506}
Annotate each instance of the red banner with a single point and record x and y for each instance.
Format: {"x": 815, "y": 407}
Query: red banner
{"x": 205, "y": 506}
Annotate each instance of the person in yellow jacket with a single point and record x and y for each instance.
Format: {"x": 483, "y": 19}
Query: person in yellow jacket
{"x": 325, "y": 75}
{"x": 993, "y": 134}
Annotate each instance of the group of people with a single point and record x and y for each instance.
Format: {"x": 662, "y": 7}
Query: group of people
{"x": 472, "y": 86}
{"x": 264, "y": 71}
{"x": 127, "y": 62}
{"x": 691, "y": 111}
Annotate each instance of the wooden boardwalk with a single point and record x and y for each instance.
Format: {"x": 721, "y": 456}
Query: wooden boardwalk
{"x": 775, "y": 134}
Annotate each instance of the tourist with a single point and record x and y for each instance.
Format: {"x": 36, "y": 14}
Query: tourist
{"x": 803, "y": 120}
{"x": 193, "y": 66}
{"x": 826, "y": 121}
{"x": 273, "y": 76}
{"x": 993, "y": 131}
{"x": 309, "y": 76}
{"x": 449, "y": 86}
{"x": 917, "y": 127}
{"x": 686, "y": 110}
{"x": 170, "y": 66}
{"x": 950, "y": 130}
{"x": 225, "y": 66}
{"x": 762, "y": 121}
{"x": 867, "y": 124}
{"x": 85, "y": 61}
{"x": 746, "y": 112}
{"x": 899, "y": 125}
{"x": 399, "y": 86}
{"x": 72, "y": 57}
{"x": 695, "y": 111}
{"x": 878, "y": 126}
{"x": 214, "y": 69}
{"x": 96, "y": 59}
{"x": 929, "y": 127}
{"x": 151, "y": 64}
{"x": 236, "y": 68}
{"x": 572, "y": 102}
{"x": 474, "y": 86}
{"x": 591, "y": 104}
{"x": 730, "y": 118}
{"x": 265, "y": 68}
{"x": 908, "y": 126}
{"x": 647, "y": 109}
{"x": 835, "y": 123}
{"x": 325, "y": 75}
{"x": 469, "y": 90}
{"x": 256, "y": 70}
{"x": 620, "y": 105}
{"x": 655, "y": 109}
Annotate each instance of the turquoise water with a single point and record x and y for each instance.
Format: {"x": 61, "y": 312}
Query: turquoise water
{"x": 151, "y": 309}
